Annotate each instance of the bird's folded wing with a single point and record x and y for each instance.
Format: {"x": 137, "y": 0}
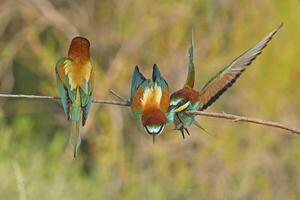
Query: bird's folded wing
{"x": 61, "y": 85}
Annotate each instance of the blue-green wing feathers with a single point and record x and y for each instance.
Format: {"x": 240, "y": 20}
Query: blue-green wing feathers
{"x": 86, "y": 101}
{"x": 157, "y": 77}
{"x": 137, "y": 79}
{"x": 64, "y": 95}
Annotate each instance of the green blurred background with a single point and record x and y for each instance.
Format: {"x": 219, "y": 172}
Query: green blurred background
{"x": 117, "y": 159}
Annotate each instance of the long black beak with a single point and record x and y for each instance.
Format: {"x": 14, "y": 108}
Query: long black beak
{"x": 153, "y": 137}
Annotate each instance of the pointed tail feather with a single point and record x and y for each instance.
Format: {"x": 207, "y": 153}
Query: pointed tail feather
{"x": 199, "y": 126}
{"x": 75, "y": 138}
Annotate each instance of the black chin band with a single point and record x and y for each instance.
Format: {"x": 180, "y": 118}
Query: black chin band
{"x": 152, "y": 133}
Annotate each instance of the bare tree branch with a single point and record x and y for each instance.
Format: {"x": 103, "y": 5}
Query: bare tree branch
{"x": 124, "y": 102}
{"x": 111, "y": 102}
{"x": 237, "y": 118}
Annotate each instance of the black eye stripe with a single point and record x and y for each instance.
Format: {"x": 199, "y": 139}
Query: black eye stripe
{"x": 181, "y": 103}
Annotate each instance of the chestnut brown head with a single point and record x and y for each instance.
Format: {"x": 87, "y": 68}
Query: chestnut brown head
{"x": 79, "y": 49}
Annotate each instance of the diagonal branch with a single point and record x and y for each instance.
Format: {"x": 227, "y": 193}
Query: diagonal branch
{"x": 234, "y": 118}
{"x": 118, "y": 96}
{"x": 237, "y": 118}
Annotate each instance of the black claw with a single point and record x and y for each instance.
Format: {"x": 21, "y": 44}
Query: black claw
{"x": 182, "y": 133}
{"x": 187, "y": 131}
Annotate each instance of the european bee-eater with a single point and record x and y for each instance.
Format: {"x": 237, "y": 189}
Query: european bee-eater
{"x": 150, "y": 100}
{"x": 188, "y": 98}
{"x": 74, "y": 77}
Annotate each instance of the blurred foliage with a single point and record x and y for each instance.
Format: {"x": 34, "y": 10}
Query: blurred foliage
{"x": 117, "y": 159}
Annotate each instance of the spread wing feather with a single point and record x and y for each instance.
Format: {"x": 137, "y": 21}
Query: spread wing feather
{"x": 157, "y": 78}
{"x": 137, "y": 80}
{"x": 227, "y": 76}
{"x": 190, "y": 80}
